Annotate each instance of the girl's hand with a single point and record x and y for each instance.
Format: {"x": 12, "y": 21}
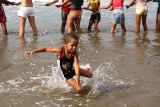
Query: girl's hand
{"x": 127, "y": 6}
{"x": 85, "y": 8}
{"x": 12, "y": 3}
{"x": 58, "y": 5}
{"x": 17, "y": 3}
{"x": 48, "y": 4}
{"x": 28, "y": 53}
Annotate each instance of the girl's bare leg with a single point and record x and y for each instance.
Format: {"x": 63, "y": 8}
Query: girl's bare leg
{"x": 113, "y": 28}
{"x": 123, "y": 27}
{"x": 70, "y": 22}
{"x": 33, "y": 25}
{"x": 4, "y": 28}
{"x": 22, "y": 22}
{"x": 78, "y": 21}
{"x": 138, "y": 19}
{"x": 158, "y": 23}
{"x": 96, "y": 25}
{"x": 90, "y": 25}
{"x": 144, "y": 18}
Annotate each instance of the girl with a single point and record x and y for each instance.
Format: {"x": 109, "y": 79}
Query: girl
{"x": 141, "y": 12}
{"x": 95, "y": 16}
{"x": 3, "y": 16}
{"x": 117, "y": 6}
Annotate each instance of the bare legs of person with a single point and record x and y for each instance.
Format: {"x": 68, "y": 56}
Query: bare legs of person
{"x": 4, "y": 28}
{"x": 74, "y": 17}
{"x": 123, "y": 27}
{"x": 64, "y": 25}
{"x": 138, "y": 20}
{"x": 22, "y": 21}
{"x": 158, "y": 23}
{"x": 114, "y": 26}
{"x": 95, "y": 25}
{"x": 83, "y": 72}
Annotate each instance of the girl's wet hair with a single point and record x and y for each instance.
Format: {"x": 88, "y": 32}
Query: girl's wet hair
{"x": 70, "y": 36}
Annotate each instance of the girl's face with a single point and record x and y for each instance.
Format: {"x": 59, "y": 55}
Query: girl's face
{"x": 71, "y": 46}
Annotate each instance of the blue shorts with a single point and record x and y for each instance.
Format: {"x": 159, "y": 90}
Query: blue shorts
{"x": 95, "y": 17}
{"x": 158, "y": 10}
{"x": 118, "y": 18}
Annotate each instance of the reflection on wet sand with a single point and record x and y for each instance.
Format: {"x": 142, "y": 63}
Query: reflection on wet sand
{"x": 141, "y": 43}
{"x": 23, "y": 41}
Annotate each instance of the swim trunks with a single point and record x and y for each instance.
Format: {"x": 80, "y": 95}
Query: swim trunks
{"x": 64, "y": 15}
{"x": 118, "y": 18}
{"x": 95, "y": 17}
{"x": 26, "y": 11}
{"x": 66, "y": 65}
{"x": 2, "y": 14}
{"x": 142, "y": 10}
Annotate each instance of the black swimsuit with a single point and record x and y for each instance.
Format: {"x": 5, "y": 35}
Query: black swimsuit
{"x": 67, "y": 65}
{"x": 76, "y": 4}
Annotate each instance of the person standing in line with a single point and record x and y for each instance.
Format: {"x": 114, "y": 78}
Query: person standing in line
{"x": 95, "y": 16}
{"x": 158, "y": 16}
{"x": 141, "y": 12}
{"x": 74, "y": 14}
{"x": 26, "y": 11}
{"x": 117, "y": 6}
{"x": 3, "y": 19}
{"x": 64, "y": 13}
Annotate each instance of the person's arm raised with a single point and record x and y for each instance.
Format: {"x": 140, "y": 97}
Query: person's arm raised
{"x": 105, "y": 7}
{"x": 87, "y": 6}
{"x": 63, "y": 4}
{"x": 6, "y": 2}
{"x": 54, "y": 50}
{"x": 50, "y": 3}
{"x": 18, "y": 3}
{"x": 131, "y": 4}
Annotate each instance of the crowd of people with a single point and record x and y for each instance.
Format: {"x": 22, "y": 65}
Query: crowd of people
{"x": 72, "y": 12}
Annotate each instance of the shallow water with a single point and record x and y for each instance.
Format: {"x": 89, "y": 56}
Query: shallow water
{"x": 126, "y": 66}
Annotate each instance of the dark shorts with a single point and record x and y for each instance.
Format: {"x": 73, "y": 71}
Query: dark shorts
{"x": 95, "y": 17}
{"x": 69, "y": 74}
{"x": 2, "y": 15}
{"x": 64, "y": 15}
{"x": 158, "y": 10}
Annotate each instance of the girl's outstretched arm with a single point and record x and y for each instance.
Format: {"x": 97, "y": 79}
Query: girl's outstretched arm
{"x": 105, "y": 7}
{"x": 87, "y": 6}
{"x": 54, "y": 1}
{"x": 6, "y": 2}
{"x": 18, "y": 3}
{"x": 76, "y": 67}
{"x": 63, "y": 4}
{"x": 131, "y": 4}
{"x": 54, "y": 50}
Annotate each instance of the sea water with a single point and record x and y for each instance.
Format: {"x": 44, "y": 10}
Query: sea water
{"x": 125, "y": 66}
